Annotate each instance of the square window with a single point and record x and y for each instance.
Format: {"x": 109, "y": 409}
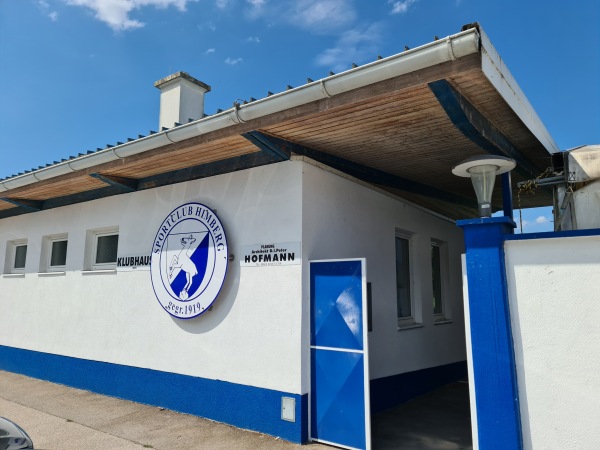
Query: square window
{"x": 16, "y": 256}
{"x": 101, "y": 249}
{"x": 106, "y": 248}
{"x": 58, "y": 254}
{"x": 54, "y": 253}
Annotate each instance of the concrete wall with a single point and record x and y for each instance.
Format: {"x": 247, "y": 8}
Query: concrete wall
{"x": 252, "y": 335}
{"x": 345, "y": 219}
{"x": 554, "y": 292}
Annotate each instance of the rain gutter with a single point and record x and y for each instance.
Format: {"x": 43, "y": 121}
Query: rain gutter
{"x": 437, "y": 52}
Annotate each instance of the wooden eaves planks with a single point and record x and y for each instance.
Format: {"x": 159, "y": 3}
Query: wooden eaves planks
{"x": 191, "y": 156}
{"x": 44, "y": 191}
{"x": 395, "y": 125}
{"x": 159, "y": 157}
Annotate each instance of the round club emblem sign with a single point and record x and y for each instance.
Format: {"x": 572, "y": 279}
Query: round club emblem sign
{"x": 189, "y": 260}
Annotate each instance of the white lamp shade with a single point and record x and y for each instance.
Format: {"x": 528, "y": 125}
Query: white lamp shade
{"x": 483, "y": 178}
{"x": 483, "y": 170}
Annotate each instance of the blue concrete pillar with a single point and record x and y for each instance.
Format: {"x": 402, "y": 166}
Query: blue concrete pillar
{"x": 496, "y": 393}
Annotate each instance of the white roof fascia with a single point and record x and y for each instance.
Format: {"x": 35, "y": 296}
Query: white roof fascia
{"x": 437, "y": 52}
{"x": 498, "y": 74}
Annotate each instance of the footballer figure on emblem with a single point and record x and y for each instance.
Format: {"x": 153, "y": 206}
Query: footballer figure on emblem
{"x": 184, "y": 262}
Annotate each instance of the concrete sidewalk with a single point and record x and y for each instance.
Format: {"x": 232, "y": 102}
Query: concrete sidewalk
{"x": 62, "y": 418}
{"x": 57, "y": 417}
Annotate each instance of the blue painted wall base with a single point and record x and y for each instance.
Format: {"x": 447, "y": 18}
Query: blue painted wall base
{"x": 391, "y": 391}
{"x": 494, "y": 372}
{"x": 243, "y": 406}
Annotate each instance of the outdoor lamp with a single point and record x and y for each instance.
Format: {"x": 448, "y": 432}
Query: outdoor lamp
{"x": 483, "y": 171}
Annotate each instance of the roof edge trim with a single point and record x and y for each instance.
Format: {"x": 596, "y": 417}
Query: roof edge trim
{"x": 498, "y": 74}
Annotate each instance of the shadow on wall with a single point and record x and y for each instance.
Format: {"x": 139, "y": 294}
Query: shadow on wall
{"x": 517, "y": 339}
{"x": 220, "y": 308}
{"x": 237, "y": 198}
{"x": 233, "y": 190}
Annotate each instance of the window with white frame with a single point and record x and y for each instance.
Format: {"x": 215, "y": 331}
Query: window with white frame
{"x": 436, "y": 279}
{"x": 101, "y": 248}
{"x": 57, "y": 253}
{"x": 404, "y": 294}
{"x": 16, "y": 256}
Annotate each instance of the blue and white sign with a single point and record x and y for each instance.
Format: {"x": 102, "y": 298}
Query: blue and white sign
{"x": 189, "y": 260}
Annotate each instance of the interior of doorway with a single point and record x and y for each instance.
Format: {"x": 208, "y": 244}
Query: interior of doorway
{"x": 437, "y": 420}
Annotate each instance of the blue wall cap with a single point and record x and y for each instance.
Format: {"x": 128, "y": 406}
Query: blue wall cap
{"x": 555, "y": 234}
{"x": 486, "y": 220}
{"x": 486, "y": 232}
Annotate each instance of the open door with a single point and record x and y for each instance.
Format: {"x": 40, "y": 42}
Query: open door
{"x": 339, "y": 398}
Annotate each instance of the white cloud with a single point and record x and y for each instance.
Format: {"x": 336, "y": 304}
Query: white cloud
{"x": 222, "y": 4}
{"x": 354, "y": 45}
{"x": 209, "y": 51}
{"x": 400, "y": 7}
{"x": 44, "y": 6}
{"x": 321, "y": 15}
{"x": 256, "y": 8}
{"x": 208, "y": 25}
{"x": 254, "y": 39}
{"x": 116, "y": 13}
{"x": 534, "y": 225}
{"x": 232, "y": 61}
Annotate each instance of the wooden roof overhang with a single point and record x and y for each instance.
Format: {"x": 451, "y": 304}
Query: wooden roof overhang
{"x": 403, "y": 134}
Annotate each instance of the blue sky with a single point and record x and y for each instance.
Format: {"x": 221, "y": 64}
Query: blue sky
{"x": 76, "y": 75}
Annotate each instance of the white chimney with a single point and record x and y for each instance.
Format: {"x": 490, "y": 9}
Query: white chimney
{"x": 181, "y": 99}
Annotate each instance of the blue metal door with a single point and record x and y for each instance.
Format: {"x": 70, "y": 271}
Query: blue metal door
{"x": 339, "y": 398}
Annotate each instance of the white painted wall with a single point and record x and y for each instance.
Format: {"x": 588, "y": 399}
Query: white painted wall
{"x": 554, "y": 292}
{"x": 345, "y": 219}
{"x": 258, "y": 331}
{"x": 252, "y": 335}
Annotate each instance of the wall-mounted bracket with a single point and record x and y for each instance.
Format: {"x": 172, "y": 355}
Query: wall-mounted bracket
{"x": 27, "y": 205}
{"x": 360, "y": 171}
{"x": 475, "y": 126}
{"x": 125, "y": 184}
